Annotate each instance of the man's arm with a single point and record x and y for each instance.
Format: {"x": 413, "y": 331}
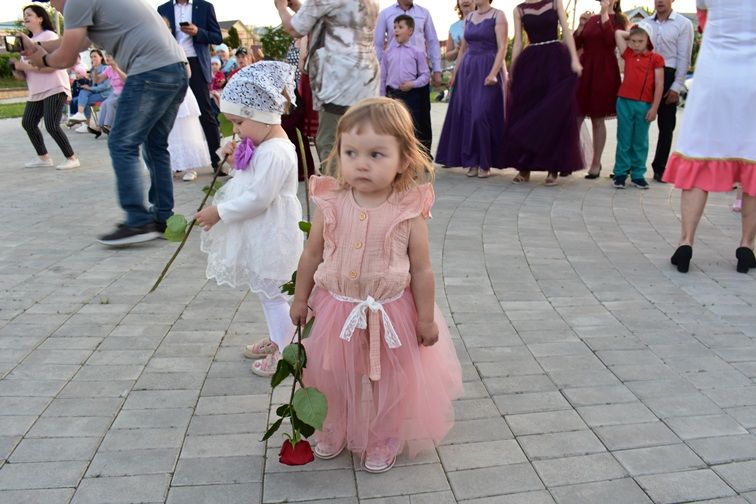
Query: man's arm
{"x": 211, "y": 32}
{"x": 379, "y": 35}
{"x": 384, "y": 75}
{"x": 684, "y": 53}
{"x": 73, "y": 41}
{"x": 434, "y": 48}
{"x": 283, "y": 12}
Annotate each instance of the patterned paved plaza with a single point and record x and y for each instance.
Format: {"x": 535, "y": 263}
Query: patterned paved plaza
{"x": 594, "y": 373}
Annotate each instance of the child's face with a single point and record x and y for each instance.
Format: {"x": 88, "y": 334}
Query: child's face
{"x": 638, "y": 42}
{"x": 247, "y": 128}
{"x": 369, "y": 162}
{"x": 215, "y": 66}
{"x": 402, "y": 32}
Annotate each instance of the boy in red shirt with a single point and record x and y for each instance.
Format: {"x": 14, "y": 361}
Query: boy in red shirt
{"x": 637, "y": 103}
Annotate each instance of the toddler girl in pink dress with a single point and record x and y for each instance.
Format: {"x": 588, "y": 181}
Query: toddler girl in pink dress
{"x": 379, "y": 349}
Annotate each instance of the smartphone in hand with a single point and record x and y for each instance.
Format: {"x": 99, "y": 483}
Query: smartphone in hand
{"x": 184, "y": 23}
{"x": 13, "y": 44}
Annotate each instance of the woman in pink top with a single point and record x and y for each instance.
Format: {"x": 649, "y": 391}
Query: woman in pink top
{"x": 49, "y": 89}
{"x": 379, "y": 349}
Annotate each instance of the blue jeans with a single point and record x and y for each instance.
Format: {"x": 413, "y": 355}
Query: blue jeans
{"x": 87, "y": 98}
{"x": 146, "y": 111}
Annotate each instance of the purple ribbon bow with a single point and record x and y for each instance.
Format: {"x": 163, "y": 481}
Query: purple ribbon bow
{"x": 243, "y": 154}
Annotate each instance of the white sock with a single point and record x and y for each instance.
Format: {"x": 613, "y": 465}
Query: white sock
{"x": 280, "y": 328}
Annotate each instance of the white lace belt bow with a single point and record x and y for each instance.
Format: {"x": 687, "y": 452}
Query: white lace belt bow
{"x": 367, "y": 314}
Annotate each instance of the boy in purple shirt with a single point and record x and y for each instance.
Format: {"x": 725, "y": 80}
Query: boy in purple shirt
{"x": 405, "y": 76}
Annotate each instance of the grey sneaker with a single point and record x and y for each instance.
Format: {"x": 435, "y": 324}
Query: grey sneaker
{"x": 127, "y": 235}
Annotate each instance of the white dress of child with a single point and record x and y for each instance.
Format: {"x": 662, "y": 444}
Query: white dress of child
{"x": 257, "y": 242}
{"x": 186, "y": 142}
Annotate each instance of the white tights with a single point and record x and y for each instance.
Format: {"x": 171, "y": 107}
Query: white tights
{"x": 280, "y": 328}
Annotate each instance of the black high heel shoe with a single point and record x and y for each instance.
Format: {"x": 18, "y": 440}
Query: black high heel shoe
{"x": 591, "y": 176}
{"x": 681, "y": 258}
{"x": 95, "y": 132}
{"x": 746, "y": 259}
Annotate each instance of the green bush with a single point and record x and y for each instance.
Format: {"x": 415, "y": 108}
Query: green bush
{"x": 5, "y": 71}
{"x": 275, "y": 42}
{"x": 233, "y": 41}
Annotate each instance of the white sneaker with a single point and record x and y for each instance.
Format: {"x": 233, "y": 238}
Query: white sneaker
{"x": 82, "y": 129}
{"x": 69, "y": 164}
{"x": 78, "y": 117}
{"x": 189, "y": 176}
{"x": 38, "y": 163}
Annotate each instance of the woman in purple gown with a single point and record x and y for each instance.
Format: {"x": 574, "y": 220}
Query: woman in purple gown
{"x": 474, "y": 126}
{"x": 542, "y": 131}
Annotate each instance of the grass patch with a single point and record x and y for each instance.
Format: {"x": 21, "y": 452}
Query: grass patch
{"x": 12, "y": 83}
{"x": 11, "y": 110}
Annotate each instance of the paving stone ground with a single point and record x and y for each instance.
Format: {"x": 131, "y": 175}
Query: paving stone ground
{"x": 594, "y": 373}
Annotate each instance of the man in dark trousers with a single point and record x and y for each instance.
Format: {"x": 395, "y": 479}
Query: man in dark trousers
{"x": 195, "y": 27}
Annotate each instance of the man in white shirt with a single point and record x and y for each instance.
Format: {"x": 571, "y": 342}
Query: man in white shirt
{"x": 195, "y": 27}
{"x": 341, "y": 61}
{"x": 672, "y": 36}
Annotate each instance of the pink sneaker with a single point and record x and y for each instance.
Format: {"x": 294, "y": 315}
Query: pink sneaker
{"x": 326, "y": 450}
{"x": 266, "y": 367}
{"x": 259, "y": 349}
{"x": 737, "y": 206}
{"x": 329, "y": 445}
{"x": 380, "y": 459}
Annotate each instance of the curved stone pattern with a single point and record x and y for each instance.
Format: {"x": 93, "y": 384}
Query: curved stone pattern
{"x": 594, "y": 372}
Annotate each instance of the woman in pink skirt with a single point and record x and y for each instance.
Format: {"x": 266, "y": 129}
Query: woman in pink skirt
{"x": 716, "y": 148}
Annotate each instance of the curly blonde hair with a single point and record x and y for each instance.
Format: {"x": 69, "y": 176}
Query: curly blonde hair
{"x": 386, "y": 117}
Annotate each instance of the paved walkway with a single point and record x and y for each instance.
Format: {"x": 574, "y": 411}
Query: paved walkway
{"x": 594, "y": 373}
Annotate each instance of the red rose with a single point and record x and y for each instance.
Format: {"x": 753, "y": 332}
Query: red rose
{"x": 299, "y": 454}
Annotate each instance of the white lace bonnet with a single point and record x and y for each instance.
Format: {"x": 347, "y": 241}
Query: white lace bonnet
{"x": 255, "y": 91}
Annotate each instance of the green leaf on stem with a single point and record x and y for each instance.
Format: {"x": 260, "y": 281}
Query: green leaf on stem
{"x": 288, "y": 287}
{"x": 272, "y": 430}
{"x": 301, "y": 428}
{"x": 175, "y": 228}
{"x": 283, "y": 411}
{"x": 305, "y": 226}
{"x": 212, "y": 189}
{"x": 295, "y": 355}
{"x": 310, "y": 406}
{"x": 308, "y": 328}
{"x": 282, "y": 371}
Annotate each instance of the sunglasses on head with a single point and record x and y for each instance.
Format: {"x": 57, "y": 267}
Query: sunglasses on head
{"x": 241, "y": 50}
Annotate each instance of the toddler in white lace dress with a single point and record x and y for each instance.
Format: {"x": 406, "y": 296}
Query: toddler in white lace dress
{"x": 251, "y": 232}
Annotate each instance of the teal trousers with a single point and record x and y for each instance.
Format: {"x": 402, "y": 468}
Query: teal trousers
{"x": 632, "y": 139}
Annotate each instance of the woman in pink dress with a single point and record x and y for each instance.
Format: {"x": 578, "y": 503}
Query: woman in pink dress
{"x": 379, "y": 349}
{"x": 716, "y": 147}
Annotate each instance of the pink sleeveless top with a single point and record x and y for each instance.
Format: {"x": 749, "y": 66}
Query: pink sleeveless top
{"x": 366, "y": 249}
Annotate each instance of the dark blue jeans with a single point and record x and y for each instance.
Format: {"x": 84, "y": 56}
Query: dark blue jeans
{"x": 147, "y": 109}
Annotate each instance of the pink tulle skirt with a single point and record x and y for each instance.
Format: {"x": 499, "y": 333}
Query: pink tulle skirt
{"x": 409, "y": 406}
{"x": 711, "y": 175}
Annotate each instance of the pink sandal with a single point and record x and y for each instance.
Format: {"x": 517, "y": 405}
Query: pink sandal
{"x": 379, "y": 460}
{"x": 260, "y": 349}
{"x": 266, "y": 367}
